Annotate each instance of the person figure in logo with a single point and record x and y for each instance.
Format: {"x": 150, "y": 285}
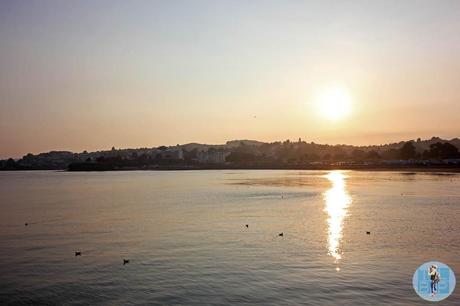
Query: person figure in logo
{"x": 434, "y": 279}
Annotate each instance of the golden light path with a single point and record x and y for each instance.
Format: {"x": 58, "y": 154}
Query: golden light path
{"x": 337, "y": 201}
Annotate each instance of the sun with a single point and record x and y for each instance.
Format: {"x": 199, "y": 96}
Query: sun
{"x": 333, "y": 103}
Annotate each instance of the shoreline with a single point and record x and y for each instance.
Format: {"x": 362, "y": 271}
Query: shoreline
{"x": 430, "y": 169}
{"x": 402, "y": 168}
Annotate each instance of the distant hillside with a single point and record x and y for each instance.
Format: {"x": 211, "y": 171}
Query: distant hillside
{"x": 420, "y": 145}
{"x": 236, "y": 143}
{"x": 247, "y": 153}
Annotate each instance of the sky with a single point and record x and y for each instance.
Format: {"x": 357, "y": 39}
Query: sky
{"x": 89, "y": 75}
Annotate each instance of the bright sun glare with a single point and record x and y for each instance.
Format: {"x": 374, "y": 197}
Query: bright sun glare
{"x": 333, "y": 103}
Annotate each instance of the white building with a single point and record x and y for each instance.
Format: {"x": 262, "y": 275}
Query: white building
{"x": 212, "y": 156}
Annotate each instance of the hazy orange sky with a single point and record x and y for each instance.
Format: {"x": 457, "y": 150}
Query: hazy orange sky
{"x": 89, "y": 75}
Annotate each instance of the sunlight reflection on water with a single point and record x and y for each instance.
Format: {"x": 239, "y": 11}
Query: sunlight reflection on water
{"x": 337, "y": 201}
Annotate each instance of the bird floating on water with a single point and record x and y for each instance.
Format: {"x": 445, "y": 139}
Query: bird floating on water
{"x": 25, "y": 224}
{"x": 125, "y": 261}
{"x": 281, "y": 234}
{"x": 368, "y": 233}
{"x": 78, "y": 253}
{"x": 247, "y": 225}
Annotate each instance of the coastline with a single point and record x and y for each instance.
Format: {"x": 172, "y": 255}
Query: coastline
{"x": 184, "y": 167}
{"x": 431, "y": 169}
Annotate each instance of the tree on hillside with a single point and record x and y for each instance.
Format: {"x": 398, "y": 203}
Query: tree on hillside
{"x": 358, "y": 154}
{"x": 391, "y": 154}
{"x": 373, "y": 155}
{"x": 327, "y": 156}
{"x": 407, "y": 151}
{"x": 11, "y": 164}
{"x": 443, "y": 151}
{"x": 241, "y": 157}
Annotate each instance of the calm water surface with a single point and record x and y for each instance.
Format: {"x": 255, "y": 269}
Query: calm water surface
{"x": 185, "y": 235}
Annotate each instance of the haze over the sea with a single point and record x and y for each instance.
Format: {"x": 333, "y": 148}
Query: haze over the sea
{"x": 86, "y": 75}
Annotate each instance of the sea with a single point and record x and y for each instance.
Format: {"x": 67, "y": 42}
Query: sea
{"x": 224, "y": 237}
